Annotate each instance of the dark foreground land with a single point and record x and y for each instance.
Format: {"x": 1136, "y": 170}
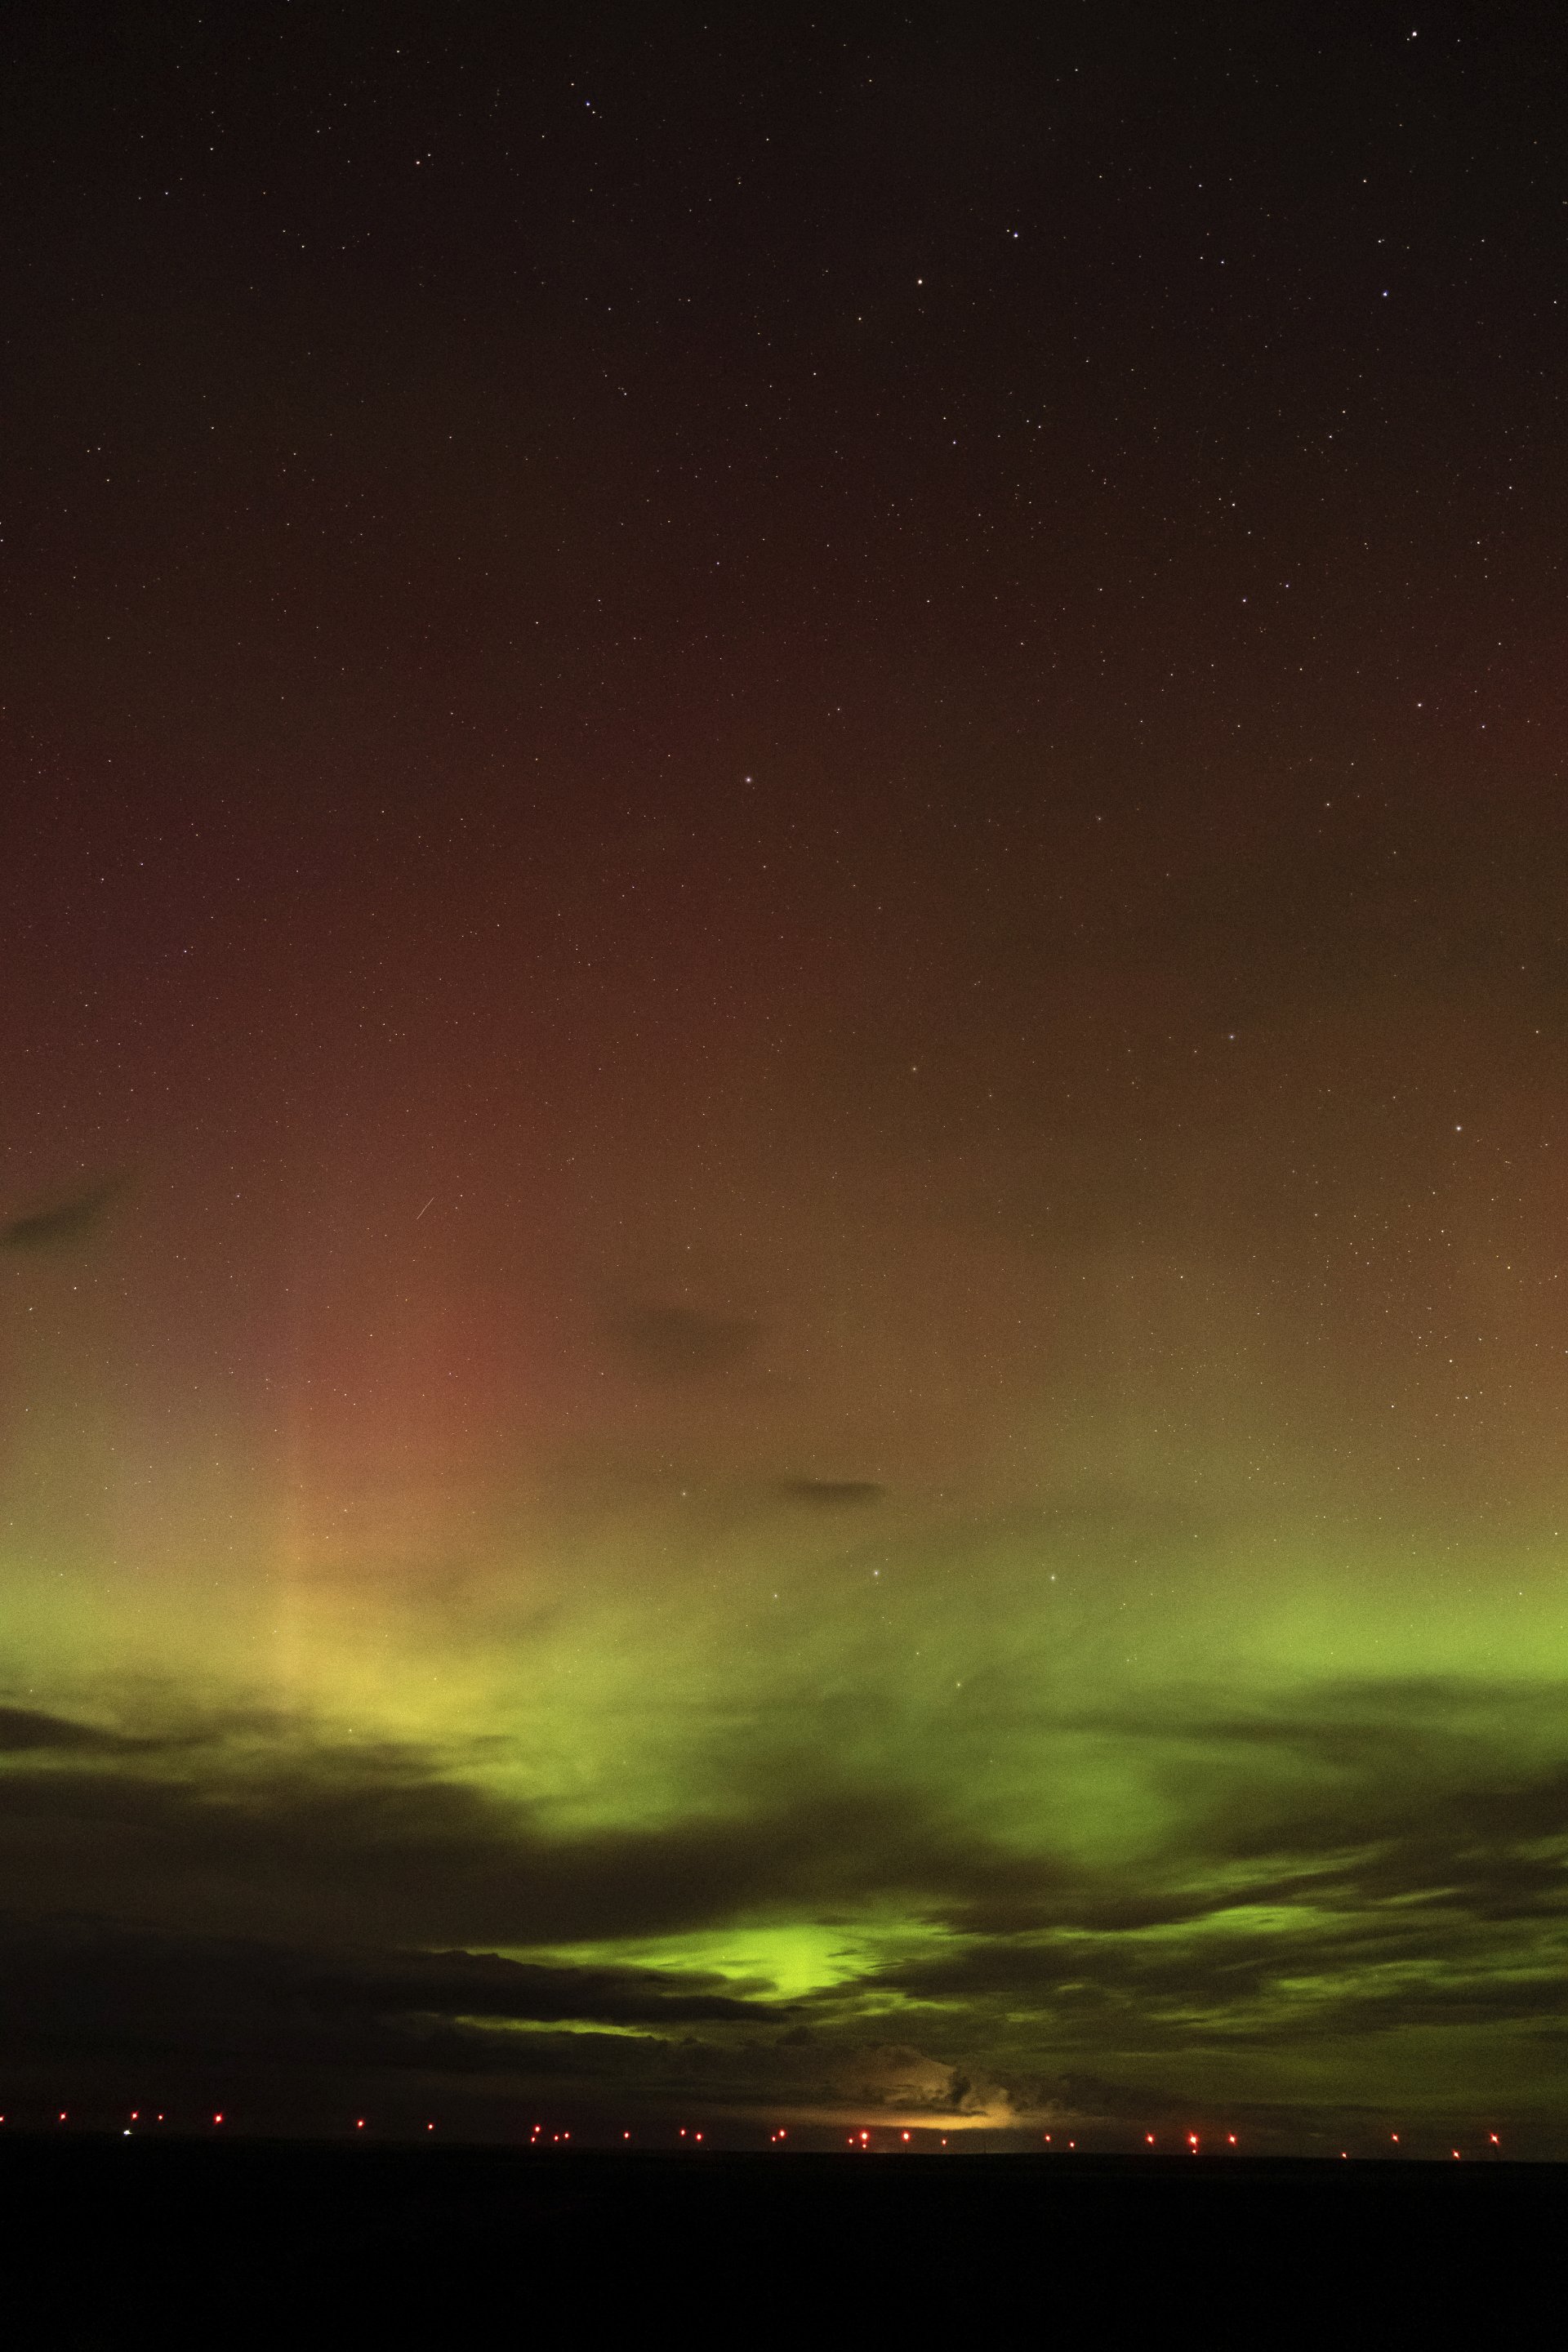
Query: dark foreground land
{"x": 122, "y": 2243}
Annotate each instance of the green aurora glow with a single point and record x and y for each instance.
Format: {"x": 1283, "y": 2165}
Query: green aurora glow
{"x": 1107, "y": 1767}
{"x": 783, "y": 1129}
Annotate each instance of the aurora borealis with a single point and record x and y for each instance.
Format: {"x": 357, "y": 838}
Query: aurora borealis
{"x": 782, "y": 1113}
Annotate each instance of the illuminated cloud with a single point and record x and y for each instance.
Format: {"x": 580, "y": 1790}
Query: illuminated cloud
{"x": 815, "y": 865}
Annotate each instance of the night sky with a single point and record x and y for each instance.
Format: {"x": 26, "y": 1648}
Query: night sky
{"x": 782, "y": 1133}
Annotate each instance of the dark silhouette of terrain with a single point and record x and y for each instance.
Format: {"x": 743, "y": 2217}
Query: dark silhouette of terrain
{"x": 124, "y": 2241}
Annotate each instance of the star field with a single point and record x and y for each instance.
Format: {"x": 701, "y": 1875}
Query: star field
{"x": 782, "y": 1130}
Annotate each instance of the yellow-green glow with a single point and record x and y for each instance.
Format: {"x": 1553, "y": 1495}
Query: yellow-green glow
{"x": 1122, "y": 1719}
{"x": 784, "y": 1013}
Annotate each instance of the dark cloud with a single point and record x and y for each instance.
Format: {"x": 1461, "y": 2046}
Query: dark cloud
{"x": 681, "y": 1343}
{"x": 1379, "y": 1869}
{"x": 1379, "y": 1864}
{"x": 62, "y": 1224}
{"x": 84, "y": 1999}
{"x": 75, "y": 1982}
{"x": 23, "y": 1728}
{"x": 830, "y": 1492}
{"x": 329, "y": 1837}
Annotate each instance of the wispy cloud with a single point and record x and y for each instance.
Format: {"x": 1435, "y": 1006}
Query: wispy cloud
{"x": 1365, "y": 1861}
{"x": 64, "y": 1224}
